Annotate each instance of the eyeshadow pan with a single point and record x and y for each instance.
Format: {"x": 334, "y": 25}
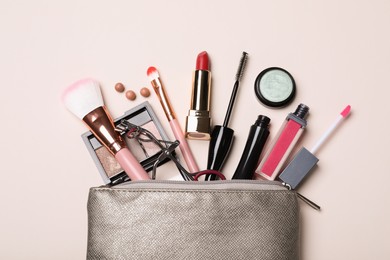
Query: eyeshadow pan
{"x": 275, "y": 87}
{"x": 108, "y": 161}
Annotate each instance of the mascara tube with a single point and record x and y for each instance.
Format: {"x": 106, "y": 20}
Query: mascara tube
{"x": 257, "y": 137}
{"x": 283, "y": 144}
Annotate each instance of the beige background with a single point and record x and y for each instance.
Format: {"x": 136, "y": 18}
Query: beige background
{"x": 337, "y": 51}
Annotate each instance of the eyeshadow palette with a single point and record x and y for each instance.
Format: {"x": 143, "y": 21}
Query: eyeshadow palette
{"x": 145, "y": 152}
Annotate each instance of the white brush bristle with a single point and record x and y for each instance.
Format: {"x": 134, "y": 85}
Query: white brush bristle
{"x": 83, "y": 97}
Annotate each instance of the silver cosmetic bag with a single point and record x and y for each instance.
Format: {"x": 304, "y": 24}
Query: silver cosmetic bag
{"x": 193, "y": 220}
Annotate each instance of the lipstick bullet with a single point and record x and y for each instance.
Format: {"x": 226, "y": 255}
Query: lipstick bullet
{"x": 198, "y": 121}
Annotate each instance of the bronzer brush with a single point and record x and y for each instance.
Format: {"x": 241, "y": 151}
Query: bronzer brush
{"x": 84, "y": 99}
{"x": 222, "y": 136}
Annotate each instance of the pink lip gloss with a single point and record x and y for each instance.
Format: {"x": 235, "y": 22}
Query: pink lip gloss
{"x": 282, "y": 145}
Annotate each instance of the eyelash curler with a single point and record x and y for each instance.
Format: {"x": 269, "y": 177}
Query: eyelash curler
{"x": 142, "y": 135}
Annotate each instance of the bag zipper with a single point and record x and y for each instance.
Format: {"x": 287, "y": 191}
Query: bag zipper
{"x": 215, "y": 185}
{"x": 202, "y": 185}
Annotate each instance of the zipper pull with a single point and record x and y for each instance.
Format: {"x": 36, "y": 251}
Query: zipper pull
{"x": 308, "y": 202}
{"x": 303, "y": 198}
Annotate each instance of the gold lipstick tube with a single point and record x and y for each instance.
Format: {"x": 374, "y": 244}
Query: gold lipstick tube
{"x": 198, "y": 121}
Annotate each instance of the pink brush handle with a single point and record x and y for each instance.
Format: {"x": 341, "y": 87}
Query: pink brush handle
{"x": 184, "y": 148}
{"x": 131, "y": 166}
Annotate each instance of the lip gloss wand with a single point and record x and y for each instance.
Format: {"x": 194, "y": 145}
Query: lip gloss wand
{"x": 303, "y": 163}
{"x": 158, "y": 87}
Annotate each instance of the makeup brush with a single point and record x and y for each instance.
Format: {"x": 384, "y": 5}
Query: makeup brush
{"x": 84, "y": 99}
{"x": 222, "y": 136}
{"x": 158, "y": 87}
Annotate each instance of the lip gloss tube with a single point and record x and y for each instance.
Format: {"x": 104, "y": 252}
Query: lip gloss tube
{"x": 283, "y": 144}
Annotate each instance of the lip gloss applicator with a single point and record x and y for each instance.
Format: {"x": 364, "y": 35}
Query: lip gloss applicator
{"x": 84, "y": 99}
{"x": 198, "y": 120}
{"x": 158, "y": 87}
{"x": 303, "y": 163}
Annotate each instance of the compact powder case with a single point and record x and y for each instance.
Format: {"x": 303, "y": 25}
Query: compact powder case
{"x": 145, "y": 152}
{"x": 275, "y": 87}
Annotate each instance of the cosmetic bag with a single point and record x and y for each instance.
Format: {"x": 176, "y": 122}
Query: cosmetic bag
{"x": 236, "y": 219}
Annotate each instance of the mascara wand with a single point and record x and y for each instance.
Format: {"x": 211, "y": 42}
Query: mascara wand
{"x": 222, "y": 136}
{"x": 240, "y": 71}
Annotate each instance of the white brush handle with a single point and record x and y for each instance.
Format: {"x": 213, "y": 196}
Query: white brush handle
{"x": 331, "y": 129}
{"x": 326, "y": 135}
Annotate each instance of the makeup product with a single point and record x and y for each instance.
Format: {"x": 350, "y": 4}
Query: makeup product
{"x": 119, "y": 87}
{"x": 283, "y": 143}
{"x": 146, "y": 153}
{"x": 198, "y": 120}
{"x": 187, "y": 176}
{"x": 130, "y": 95}
{"x": 84, "y": 99}
{"x": 145, "y": 92}
{"x": 222, "y": 136}
{"x": 275, "y": 87}
{"x": 158, "y": 87}
{"x": 257, "y": 137}
{"x": 303, "y": 163}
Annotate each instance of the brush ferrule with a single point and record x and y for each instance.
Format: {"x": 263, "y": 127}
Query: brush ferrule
{"x": 101, "y": 125}
{"x": 162, "y": 96}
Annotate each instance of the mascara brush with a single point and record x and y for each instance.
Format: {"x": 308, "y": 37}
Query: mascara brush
{"x": 239, "y": 74}
{"x": 222, "y": 136}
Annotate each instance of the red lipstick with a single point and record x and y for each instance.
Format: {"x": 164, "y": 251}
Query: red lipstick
{"x": 198, "y": 120}
{"x": 202, "y": 62}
